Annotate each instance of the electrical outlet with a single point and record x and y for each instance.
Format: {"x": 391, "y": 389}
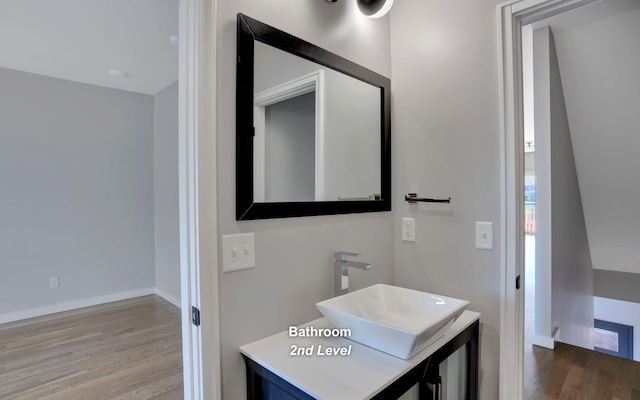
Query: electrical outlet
{"x": 484, "y": 235}
{"x": 238, "y": 252}
{"x": 53, "y": 282}
{"x": 408, "y": 229}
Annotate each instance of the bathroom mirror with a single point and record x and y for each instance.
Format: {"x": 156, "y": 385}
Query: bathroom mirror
{"x": 312, "y": 129}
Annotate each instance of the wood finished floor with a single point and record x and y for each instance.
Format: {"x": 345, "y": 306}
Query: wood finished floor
{"x": 130, "y": 349}
{"x": 570, "y": 372}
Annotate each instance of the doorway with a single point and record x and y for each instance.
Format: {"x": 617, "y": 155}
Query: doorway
{"x": 191, "y": 127}
{"x": 512, "y": 17}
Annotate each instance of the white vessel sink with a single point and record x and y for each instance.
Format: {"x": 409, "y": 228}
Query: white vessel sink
{"x": 397, "y": 321}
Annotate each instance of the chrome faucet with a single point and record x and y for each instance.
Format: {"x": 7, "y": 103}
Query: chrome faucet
{"x": 341, "y": 270}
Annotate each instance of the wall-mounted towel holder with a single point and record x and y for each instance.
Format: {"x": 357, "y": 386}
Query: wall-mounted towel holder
{"x": 413, "y": 198}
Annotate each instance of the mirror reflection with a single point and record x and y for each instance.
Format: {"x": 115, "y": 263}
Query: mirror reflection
{"x": 317, "y": 131}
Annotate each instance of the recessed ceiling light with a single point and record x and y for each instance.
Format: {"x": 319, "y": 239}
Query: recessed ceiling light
{"x": 173, "y": 40}
{"x": 116, "y": 73}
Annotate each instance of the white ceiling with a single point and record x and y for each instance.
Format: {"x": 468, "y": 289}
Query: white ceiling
{"x": 600, "y": 70}
{"x": 81, "y": 40}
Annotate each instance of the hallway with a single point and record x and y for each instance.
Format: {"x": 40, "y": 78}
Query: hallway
{"x": 570, "y": 372}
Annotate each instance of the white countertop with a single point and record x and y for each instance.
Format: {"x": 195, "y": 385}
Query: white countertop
{"x": 360, "y": 375}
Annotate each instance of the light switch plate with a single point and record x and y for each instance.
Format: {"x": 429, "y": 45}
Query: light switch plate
{"x": 408, "y": 229}
{"x": 484, "y": 235}
{"x": 238, "y": 252}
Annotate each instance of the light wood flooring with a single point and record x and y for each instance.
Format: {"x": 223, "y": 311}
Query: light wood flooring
{"x": 124, "y": 350}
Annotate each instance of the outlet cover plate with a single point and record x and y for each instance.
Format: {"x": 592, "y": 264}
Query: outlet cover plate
{"x": 408, "y": 229}
{"x": 238, "y": 252}
{"x": 53, "y": 282}
{"x": 484, "y": 235}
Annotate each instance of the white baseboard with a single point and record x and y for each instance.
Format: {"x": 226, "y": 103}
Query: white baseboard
{"x": 543, "y": 341}
{"x": 73, "y": 305}
{"x": 170, "y": 298}
{"x": 546, "y": 341}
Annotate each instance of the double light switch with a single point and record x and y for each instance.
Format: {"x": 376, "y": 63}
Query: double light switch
{"x": 238, "y": 252}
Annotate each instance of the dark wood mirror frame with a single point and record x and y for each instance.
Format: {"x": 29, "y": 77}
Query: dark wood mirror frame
{"x": 250, "y": 30}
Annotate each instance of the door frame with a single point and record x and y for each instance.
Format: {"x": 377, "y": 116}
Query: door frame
{"x": 197, "y": 186}
{"x": 511, "y": 15}
{"x": 312, "y": 82}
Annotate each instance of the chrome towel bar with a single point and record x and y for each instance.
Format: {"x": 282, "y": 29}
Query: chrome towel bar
{"x": 413, "y": 198}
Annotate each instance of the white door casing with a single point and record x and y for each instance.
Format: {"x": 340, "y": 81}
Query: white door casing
{"x": 511, "y": 16}
{"x": 197, "y": 186}
{"x": 313, "y": 82}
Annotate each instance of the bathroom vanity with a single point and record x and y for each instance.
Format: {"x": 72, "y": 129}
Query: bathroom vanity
{"x": 277, "y": 369}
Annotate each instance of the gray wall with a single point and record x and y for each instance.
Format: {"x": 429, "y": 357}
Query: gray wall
{"x": 352, "y": 140}
{"x": 446, "y": 141}
{"x": 290, "y": 144}
{"x": 165, "y": 192}
{"x": 530, "y": 163}
{"x": 571, "y": 268}
{"x": 76, "y": 198}
{"x": 351, "y": 122}
{"x": 294, "y": 265}
{"x": 616, "y": 285}
{"x": 599, "y": 63}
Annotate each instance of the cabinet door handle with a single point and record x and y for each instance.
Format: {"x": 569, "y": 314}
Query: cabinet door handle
{"x": 436, "y": 389}
{"x": 433, "y": 387}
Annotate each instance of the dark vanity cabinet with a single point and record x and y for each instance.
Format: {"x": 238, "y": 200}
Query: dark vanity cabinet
{"x": 270, "y": 375}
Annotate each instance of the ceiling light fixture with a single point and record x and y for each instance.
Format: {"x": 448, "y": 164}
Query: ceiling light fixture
{"x": 372, "y": 8}
{"x": 375, "y": 8}
{"x": 116, "y": 73}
